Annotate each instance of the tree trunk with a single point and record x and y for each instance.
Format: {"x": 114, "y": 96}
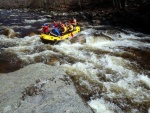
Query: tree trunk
{"x": 79, "y": 4}
{"x": 116, "y": 4}
{"x": 119, "y": 4}
{"x": 123, "y": 4}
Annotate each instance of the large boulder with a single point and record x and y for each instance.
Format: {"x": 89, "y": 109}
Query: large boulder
{"x": 39, "y": 88}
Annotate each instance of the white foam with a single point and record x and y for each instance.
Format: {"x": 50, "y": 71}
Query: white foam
{"x": 87, "y": 32}
{"x": 127, "y": 87}
{"x": 145, "y": 79}
{"x": 31, "y": 57}
{"x": 33, "y": 21}
{"x": 30, "y": 21}
{"x": 84, "y": 69}
{"x": 118, "y": 64}
{"x": 102, "y": 106}
{"x": 26, "y": 27}
{"x": 71, "y": 50}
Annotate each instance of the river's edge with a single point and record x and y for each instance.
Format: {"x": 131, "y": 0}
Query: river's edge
{"x": 39, "y": 88}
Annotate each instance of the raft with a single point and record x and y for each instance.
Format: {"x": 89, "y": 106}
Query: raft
{"x": 52, "y": 38}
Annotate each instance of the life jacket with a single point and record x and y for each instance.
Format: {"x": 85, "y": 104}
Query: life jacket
{"x": 57, "y": 32}
{"x": 45, "y": 29}
{"x": 70, "y": 27}
{"x": 73, "y": 22}
{"x": 55, "y": 24}
{"x": 64, "y": 29}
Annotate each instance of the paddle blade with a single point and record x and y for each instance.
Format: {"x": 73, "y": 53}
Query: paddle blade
{"x": 72, "y": 35}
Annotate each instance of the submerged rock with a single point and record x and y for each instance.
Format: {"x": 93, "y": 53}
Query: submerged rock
{"x": 39, "y": 88}
{"x": 79, "y": 38}
{"x": 32, "y": 34}
{"x": 9, "y": 32}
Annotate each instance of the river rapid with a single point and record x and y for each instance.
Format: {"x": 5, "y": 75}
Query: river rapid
{"x": 111, "y": 70}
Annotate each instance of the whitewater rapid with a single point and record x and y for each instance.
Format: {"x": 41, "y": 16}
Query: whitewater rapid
{"x": 109, "y": 81}
{"x": 111, "y": 70}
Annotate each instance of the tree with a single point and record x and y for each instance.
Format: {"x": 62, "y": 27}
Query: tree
{"x": 119, "y": 4}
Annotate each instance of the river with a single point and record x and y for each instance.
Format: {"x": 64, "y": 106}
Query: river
{"x": 111, "y": 70}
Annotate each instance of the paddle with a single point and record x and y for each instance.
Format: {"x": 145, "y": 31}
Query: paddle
{"x": 72, "y": 35}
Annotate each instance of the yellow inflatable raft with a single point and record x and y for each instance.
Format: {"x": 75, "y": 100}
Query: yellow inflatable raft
{"x": 51, "y": 38}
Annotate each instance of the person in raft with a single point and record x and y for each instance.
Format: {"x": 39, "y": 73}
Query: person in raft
{"x": 73, "y": 21}
{"x": 55, "y": 24}
{"x": 70, "y": 27}
{"x": 63, "y": 29}
{"x": 45, "y": 29}
{"x": 55, "y": 31}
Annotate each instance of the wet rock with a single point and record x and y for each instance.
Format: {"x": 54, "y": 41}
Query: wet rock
{"x": 9, "y": 32}
{"x": 53, "y": 61}
{"x": 82, "y": 15}
{"x": 83, "y": 24}
{"x": 53, "y": 13}
{"x": 101, "y": 38}
{"x": 89, "y": 15}
{"x": 32, "y": 34}
{"x": 112, "y": 32}
{"x": 96, "y": 22}
{"x": 39, "y": 88}
{"x": 9, "y": 62}
{"x": 80, "y": 39}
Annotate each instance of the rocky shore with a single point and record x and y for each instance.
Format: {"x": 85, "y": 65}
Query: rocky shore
{"x": 39, "y": 88}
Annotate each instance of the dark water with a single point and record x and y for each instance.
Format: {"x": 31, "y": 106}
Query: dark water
{"x": 110, "y": 68}
{"x": 24, "y": 22}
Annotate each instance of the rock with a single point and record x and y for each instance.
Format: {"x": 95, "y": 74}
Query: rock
{"x": 96, "y": 22}
{"x": 53, "y": 61}
{"x": 113, "y": 32}
{"x": 32, "y": 34}
{"x": 39, "y": 88}
{"x": 80, "y": 39}
{"x": 9, "y": 32}
{"x": 83, "y": 24}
